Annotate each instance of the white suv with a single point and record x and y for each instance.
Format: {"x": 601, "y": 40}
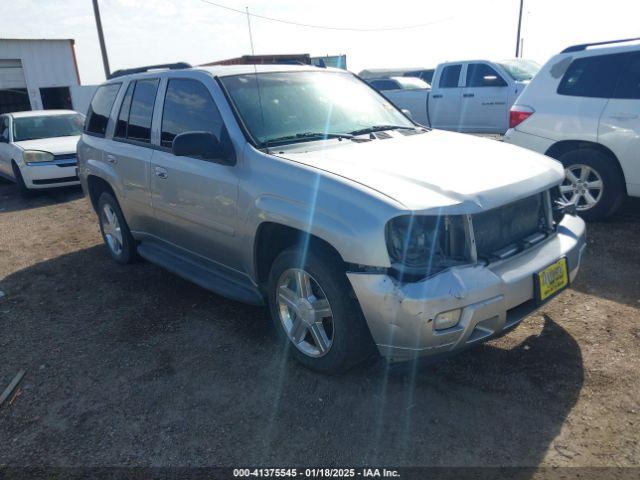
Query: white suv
{"x": 583, "y": 109}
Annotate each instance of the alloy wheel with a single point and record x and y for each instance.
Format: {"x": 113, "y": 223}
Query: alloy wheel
{"x": 305, "y": 312}
{"x": 111, "y": 229}
{"x": 582, "y": 186}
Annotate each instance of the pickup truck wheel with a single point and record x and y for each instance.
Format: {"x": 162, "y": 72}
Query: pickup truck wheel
{"x": 115, "y": 232}
{"x": 22, "y": 187}
{"x": 314, "y": 313}
{"x": 593, "y": 182}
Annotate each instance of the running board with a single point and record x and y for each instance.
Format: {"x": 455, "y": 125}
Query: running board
{"x": 208, "y": 275}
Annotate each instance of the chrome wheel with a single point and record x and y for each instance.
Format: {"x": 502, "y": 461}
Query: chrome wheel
{"x": 111, "y": 229}
{"x": 582, "y": 186}
{"x": 305, "y": 312}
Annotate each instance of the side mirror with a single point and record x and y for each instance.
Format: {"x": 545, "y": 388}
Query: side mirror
{"x": 201, "y": 145}
{"x": 407, "y": 113}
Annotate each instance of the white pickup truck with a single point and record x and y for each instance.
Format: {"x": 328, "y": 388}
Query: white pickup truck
{"x": 469, "y": 96}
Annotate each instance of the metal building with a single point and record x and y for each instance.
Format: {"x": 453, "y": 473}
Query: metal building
{"x": 37, "y": 74}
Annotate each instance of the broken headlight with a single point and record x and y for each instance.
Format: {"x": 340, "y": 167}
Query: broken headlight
{"x": 420, "y": 246}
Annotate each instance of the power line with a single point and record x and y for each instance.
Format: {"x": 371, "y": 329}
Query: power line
{"x": 326, "y": 27}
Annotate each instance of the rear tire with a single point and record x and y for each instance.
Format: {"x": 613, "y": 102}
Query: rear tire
{"x": 347, "y": 340}
{"x": 585, "y": 170}
{"x": 115, "y": 231}
{"x": 24, "y": 191}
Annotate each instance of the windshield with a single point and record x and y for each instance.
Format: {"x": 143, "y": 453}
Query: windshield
{"x": 412, "y": 83}
{"x": 47, "y": 126}
{"x": 520, "y": 70}
{"x": 299, "y": 104}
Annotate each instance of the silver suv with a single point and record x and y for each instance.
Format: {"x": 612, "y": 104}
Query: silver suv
{"x": 305, "y": 189}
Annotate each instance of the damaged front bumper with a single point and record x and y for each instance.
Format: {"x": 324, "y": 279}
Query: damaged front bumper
{"x": 492, "y": 298}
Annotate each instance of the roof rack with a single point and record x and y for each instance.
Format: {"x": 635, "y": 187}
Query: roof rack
{"x": 167, "y": 66}
{"x": 584, "y": 46}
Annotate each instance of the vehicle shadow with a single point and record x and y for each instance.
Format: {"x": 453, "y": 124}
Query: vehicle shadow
{"x": 11, "y": 201}
{"x": 134, "y": 366}
{"x": 610, "y": 268}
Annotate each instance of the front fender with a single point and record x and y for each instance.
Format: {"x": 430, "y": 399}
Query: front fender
{"x": 359, "y": 241}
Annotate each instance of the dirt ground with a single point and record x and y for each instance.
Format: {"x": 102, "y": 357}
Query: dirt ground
{"x": 134, "y": 366}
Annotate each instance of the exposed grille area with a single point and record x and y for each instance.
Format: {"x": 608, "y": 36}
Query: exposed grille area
{"x": 510, "y": 229}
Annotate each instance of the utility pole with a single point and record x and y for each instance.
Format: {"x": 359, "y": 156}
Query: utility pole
{"x": 103, "y": 48}
{"x": 519, "y": 25}
{"x": 250, "y": 34}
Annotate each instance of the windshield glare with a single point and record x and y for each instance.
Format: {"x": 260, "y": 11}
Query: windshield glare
{"x": 34, "y": 128}
{"x": 520, "y": 70}
{"x": 283, "y": 104}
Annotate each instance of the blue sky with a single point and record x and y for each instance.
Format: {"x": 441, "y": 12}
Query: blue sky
{"x": 142, "y": 32}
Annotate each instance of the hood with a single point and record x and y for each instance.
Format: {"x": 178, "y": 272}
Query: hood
{"x": 56, "y": 145}
{"x": 436, "y": 169}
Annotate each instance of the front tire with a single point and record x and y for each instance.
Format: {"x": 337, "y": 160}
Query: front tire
{"x": 115, "y": 232}
{"x": 24, "y": 191}
{"x": 593, "y": 182}
{"x": 314, "y": 311}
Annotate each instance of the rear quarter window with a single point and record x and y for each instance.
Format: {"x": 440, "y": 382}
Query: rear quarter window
{"x": 100, "y": 109}
{"x": 594, "y": 77}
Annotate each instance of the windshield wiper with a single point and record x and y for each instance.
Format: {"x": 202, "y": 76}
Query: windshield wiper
{"x": 380, "y": 128}
{"x": 305, "y": 136}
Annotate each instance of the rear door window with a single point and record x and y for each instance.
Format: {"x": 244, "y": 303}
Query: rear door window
{"x": 141, "y": 112}
{"x": 629, "y": 83}
{"x": 450, "y": 76}
{"x": 100, "y": 109}
{"x": 482, "y": 75}
{"x": 594, "y": 77}
{"x": 188, "y": 107}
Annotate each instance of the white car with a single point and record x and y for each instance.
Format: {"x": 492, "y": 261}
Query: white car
{"x": 38, "y": 148}
{"x": 583, "y": 109}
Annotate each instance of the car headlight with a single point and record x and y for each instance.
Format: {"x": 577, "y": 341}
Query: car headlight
{"x": 420, "y": 246}
{"x": 36, "y": 156}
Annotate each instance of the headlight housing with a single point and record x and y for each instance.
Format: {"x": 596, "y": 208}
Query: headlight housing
{"x": 36, "y": 156}
{"x": 420, "y": 245}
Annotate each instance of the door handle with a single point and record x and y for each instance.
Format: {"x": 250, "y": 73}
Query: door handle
{"x": 468, "y": 95}
{"x": 161, "y": 172}
{"x": 112, "y": 158}
{"x": 436, "y": 96}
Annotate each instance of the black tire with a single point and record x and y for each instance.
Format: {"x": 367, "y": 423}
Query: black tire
{"x": 351, "y": 342}
{"x": 128, "y": 252}
{"x": 22, "y": 187}
{"x": 613, "y": 191}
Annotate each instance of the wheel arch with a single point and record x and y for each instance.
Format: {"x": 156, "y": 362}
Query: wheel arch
{"x": 560, "y": 148}
{"x": 96, "y": 187}
{"x": 272, "y": 238}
